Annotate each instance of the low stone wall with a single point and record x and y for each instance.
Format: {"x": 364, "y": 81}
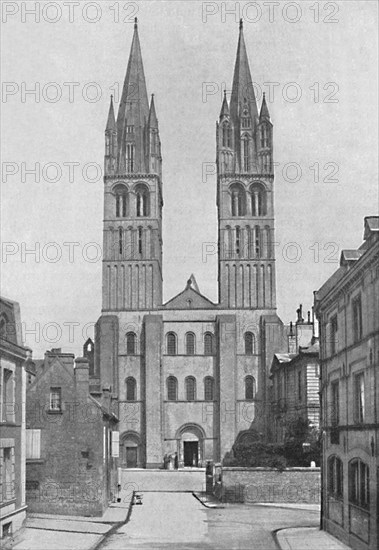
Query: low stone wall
{"x": 163, "y": 480}
{"x": 252, "y": 485}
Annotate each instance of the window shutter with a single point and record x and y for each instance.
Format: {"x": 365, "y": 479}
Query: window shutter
{"x": 115, "y": 444}
{"x": 33, "y": 443}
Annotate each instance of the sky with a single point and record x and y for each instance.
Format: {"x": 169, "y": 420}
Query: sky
{"x": 317, "y": 63}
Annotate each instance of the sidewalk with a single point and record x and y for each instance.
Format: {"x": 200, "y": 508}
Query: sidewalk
{"x": 53, "y": 532}
{"x": 309, "y": 538}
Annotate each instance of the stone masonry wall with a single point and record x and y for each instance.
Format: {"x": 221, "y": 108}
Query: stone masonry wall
{"x": 251, "y": 485}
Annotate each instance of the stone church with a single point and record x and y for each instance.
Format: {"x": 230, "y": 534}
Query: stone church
{"x": 188, "y": 376}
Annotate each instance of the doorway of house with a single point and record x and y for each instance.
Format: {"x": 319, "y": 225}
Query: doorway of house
{"x": 191, "y": 453}
{"x": 131, "y": 457}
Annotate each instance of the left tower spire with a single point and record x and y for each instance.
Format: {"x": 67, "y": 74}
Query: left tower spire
{"x": 132, "y": 251}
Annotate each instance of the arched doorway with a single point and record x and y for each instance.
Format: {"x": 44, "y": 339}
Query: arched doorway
{"x": 130, "y": 451}
{"x": 190, "y": 439}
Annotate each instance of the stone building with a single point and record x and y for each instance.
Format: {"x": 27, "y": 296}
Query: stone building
{"x": 347, "y": 309}
{"x": 12, "y": 419}
{"x": 295, "y": 379}
{"x": 70, "y": 440}
{"x": 188, "y": 376}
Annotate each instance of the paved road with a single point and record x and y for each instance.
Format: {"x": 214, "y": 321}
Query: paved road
{"x": 179, "y": 521}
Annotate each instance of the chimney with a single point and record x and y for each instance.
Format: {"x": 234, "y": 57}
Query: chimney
{"x": 304, "y": 329}
{"x": 291, "y": 340}
{"x": 81, "y": 372}
{"x": 106, "y": 397}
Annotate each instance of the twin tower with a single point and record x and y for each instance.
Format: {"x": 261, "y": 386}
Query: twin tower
{"x": 132, "y": 258}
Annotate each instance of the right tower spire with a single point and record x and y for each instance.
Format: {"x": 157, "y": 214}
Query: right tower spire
{"x": 245, "y": 195}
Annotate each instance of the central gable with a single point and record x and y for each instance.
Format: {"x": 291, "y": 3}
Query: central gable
{"x": 190, "y": 298}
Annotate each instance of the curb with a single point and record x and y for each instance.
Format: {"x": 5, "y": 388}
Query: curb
{"x": 113, "y": 529}
{"x": 207, "y": 503}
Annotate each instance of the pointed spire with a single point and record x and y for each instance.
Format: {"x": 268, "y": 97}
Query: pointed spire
{"x": 153, "y": 121}
{"x": 243, "y": 90}
{"x": 225, "y": 107}
{"x": 264, "y": 114}
{"x": 111, "y": 123}
{"x": 134, "y": 105}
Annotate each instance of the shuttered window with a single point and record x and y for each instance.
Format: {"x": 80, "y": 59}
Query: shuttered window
{"x": 33, "y": 444}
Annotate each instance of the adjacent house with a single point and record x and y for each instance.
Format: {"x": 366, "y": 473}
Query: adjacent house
{"x": 295, "y": 379}
{"x": 12, "y": 419}
{"x": 347, "y": 309}
{"x": 71, "y": 440}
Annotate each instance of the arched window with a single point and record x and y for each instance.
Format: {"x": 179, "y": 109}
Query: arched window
{"x": 335, "y": 476}
{"x": 190, "y": 383}
{"x": 238, "y": 200}
{"x": 359, "y": 480}
{"x": 172, "y": 388}
{"x": 121, "y": 195}
{"x": 208, "y": 388}
{"x": 171, "y": 343}
{"x": 131, "y": 389}
{"x": 143, "y": 201}
{"x": 250, "y": 387}
{"x": 249, "y": 343}
{"x": 258, "y": 200}
{"x": 208, "y": 343}
{"x": 190, "y": 343}
{"x": 131, "y": 343}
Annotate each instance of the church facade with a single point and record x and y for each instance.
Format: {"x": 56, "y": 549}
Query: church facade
{"x": 187, "y": 376}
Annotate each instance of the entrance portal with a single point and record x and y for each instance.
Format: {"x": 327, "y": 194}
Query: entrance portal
{"x": 191, "y": 453}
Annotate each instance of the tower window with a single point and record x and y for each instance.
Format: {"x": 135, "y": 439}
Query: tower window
{"x": 208, "y": 388}
{"x": 245, "y": 149}
{"x": 143, "y": 201}
{"x": 258, "y": 200}
{"x": 131, "y": 343}
{"x": 250, "y": 388}
{"x": 130, "y": 150}
{"x": 226, "y": 135}
{"x": 130, "y": 129}
{"x": 140, "y": 240}
{"x": 249, "y": 343}
{"x": 238, "y": 240}
{"x": 190, "y": 388}
{"x": 171, "y": 343}
{"x": 208, "y": 343}
{"x": 172, "y": 388}
{"x": 238, "y": 200}
{"x": 246, "y": 122}
{"x": 257, "y": 231}
{"x": 120, "y": 240}
{"x": 121, "y": 194}
{"x": 190, "y": 343}
{"x": 131, "y": 387}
